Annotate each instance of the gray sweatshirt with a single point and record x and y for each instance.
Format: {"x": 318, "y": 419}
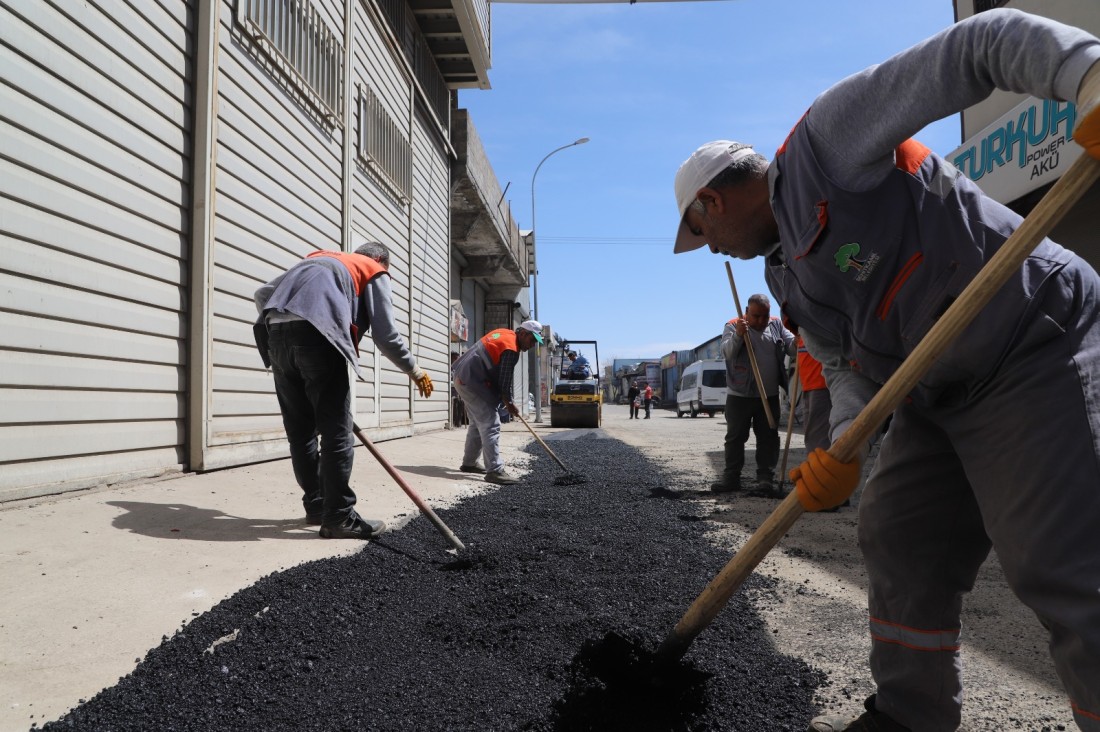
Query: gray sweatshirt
{"x": 322, "y": 291}
{"x": 769, "y": 346}
{"x": 960, "y": 66}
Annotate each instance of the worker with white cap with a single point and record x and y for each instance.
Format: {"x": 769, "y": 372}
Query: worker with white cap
{"x": 867, "y": 237}
{"x": 483, "y": 379}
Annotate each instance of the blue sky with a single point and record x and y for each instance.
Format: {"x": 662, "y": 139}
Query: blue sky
{"x": 648, "y": 83}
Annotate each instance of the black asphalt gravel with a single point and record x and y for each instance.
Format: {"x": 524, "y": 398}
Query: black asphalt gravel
{"x": 547, "y": 621}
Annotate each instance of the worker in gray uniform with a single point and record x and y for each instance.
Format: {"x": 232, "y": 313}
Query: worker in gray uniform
{"x": 483, "y": 378}
{"x": 867, "y": 237}
{"x": 311, "y": 319}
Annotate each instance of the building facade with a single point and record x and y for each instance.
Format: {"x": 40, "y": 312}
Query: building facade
{"x": 162, "y": 160}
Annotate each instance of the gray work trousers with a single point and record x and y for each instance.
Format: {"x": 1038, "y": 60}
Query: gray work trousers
{"x": 1015, "y": 466}
{"x": 483, "y": 434}
{"x": 743, "y": 414}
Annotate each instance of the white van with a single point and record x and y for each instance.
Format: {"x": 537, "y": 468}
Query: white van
{"x": 702, "y": 388}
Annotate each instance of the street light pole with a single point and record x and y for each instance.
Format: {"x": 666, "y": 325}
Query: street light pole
{"x": 536, "y": 361}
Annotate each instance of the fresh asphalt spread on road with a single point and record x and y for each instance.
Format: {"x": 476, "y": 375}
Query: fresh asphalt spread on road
{"x": 523, "y": 630}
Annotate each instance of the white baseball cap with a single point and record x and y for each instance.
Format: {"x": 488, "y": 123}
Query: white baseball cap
{"x": 695, "y": 173}
{"x": 534, "y": 327}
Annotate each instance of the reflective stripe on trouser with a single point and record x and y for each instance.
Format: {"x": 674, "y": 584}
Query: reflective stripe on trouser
{"x": 916, "y": 639}
{"x": 483, "y": 434}
{"x": 1017, "y": 464}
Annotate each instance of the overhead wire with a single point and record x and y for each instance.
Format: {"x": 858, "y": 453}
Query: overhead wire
{"x": 609, "y": 240}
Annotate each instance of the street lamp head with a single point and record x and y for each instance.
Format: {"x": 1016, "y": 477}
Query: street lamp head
{"x": 581, "y": 141}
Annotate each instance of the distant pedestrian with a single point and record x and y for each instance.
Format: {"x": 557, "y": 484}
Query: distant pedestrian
{"x": 647, "y": 397}
{"x": 483, "y": 378}
{"x": 633, "y": 398}
{"x": 310, "y": 321}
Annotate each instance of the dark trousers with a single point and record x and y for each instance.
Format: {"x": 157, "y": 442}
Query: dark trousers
{"x": 633, "y": 410}
{"x": 648, "y": 404}
{"x": 311, "y": 381}
{"x": 743, "y": 413}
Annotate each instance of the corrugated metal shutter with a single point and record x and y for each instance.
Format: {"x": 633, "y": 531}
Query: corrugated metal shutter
{"x": 381, "y": 213}
{"x": 279, "y": 192}
{"x": 431, "y": 257}
{"x": 95, "y": 129}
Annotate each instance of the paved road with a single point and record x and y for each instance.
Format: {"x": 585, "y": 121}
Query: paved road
{"x": 819, "y": 612}
{"x": 94, "y": 580}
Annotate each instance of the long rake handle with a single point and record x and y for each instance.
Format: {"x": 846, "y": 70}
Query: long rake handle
{"x": 424, "y": 507}
{"x": 544, "y": 445}
{"x": 1001, "y": 266}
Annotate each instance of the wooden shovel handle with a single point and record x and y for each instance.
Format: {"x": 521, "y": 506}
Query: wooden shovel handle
{"x": 1001, "y": 266}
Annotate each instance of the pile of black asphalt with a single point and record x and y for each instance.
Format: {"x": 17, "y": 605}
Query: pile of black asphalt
{"x": 548, "y": 620}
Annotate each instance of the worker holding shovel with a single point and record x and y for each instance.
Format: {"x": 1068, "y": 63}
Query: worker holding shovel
{"x": 311, "y": 319}
{"x": 868, "y": 237}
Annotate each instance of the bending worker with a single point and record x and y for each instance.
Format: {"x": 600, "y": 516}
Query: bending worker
{"x": 867, "y": 237}
{"x": 311, "y": 320}
{"x": 483, "y": 378}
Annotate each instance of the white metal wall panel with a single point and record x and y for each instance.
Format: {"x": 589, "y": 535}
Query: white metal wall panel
{"x": 94, "y": 168}
{"x": 430, "y": 260}
{"x": 377, "y": 214}
{"x": 278, "y": 197}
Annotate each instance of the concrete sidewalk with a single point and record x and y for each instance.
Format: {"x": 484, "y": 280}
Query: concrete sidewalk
{"x": 94, "y": 579}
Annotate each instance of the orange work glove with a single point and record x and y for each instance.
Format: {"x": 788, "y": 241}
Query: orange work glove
{"x": 823, "y": 481}
{"x": 423, "y": 382}
{"x": 1087, "y": 134}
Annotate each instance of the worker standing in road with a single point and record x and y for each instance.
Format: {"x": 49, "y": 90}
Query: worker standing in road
{"x": 483, "y": 378}
{"x": 771, "y": 342}
{"x": 867, "y": 236}
{"x": 311, "y": 319}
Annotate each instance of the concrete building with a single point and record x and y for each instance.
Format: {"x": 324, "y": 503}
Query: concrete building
{"x": 163, "y": 159}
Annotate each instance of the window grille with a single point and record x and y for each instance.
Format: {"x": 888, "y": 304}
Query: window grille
{"x": 383, "y": 148}
{"x": 293, "y": 35}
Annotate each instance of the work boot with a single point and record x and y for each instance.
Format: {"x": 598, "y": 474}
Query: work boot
{"x": 501, "y": 477}
{"x": 474, "y": 468}
{"x": 834, "y": 509}
{"x": 353, "y": 527}
{"x": 766, "y": 487}
{"x": 870, "y": 721}
{"x": 314, "y": 504}
{"x": 725, "y": 486}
